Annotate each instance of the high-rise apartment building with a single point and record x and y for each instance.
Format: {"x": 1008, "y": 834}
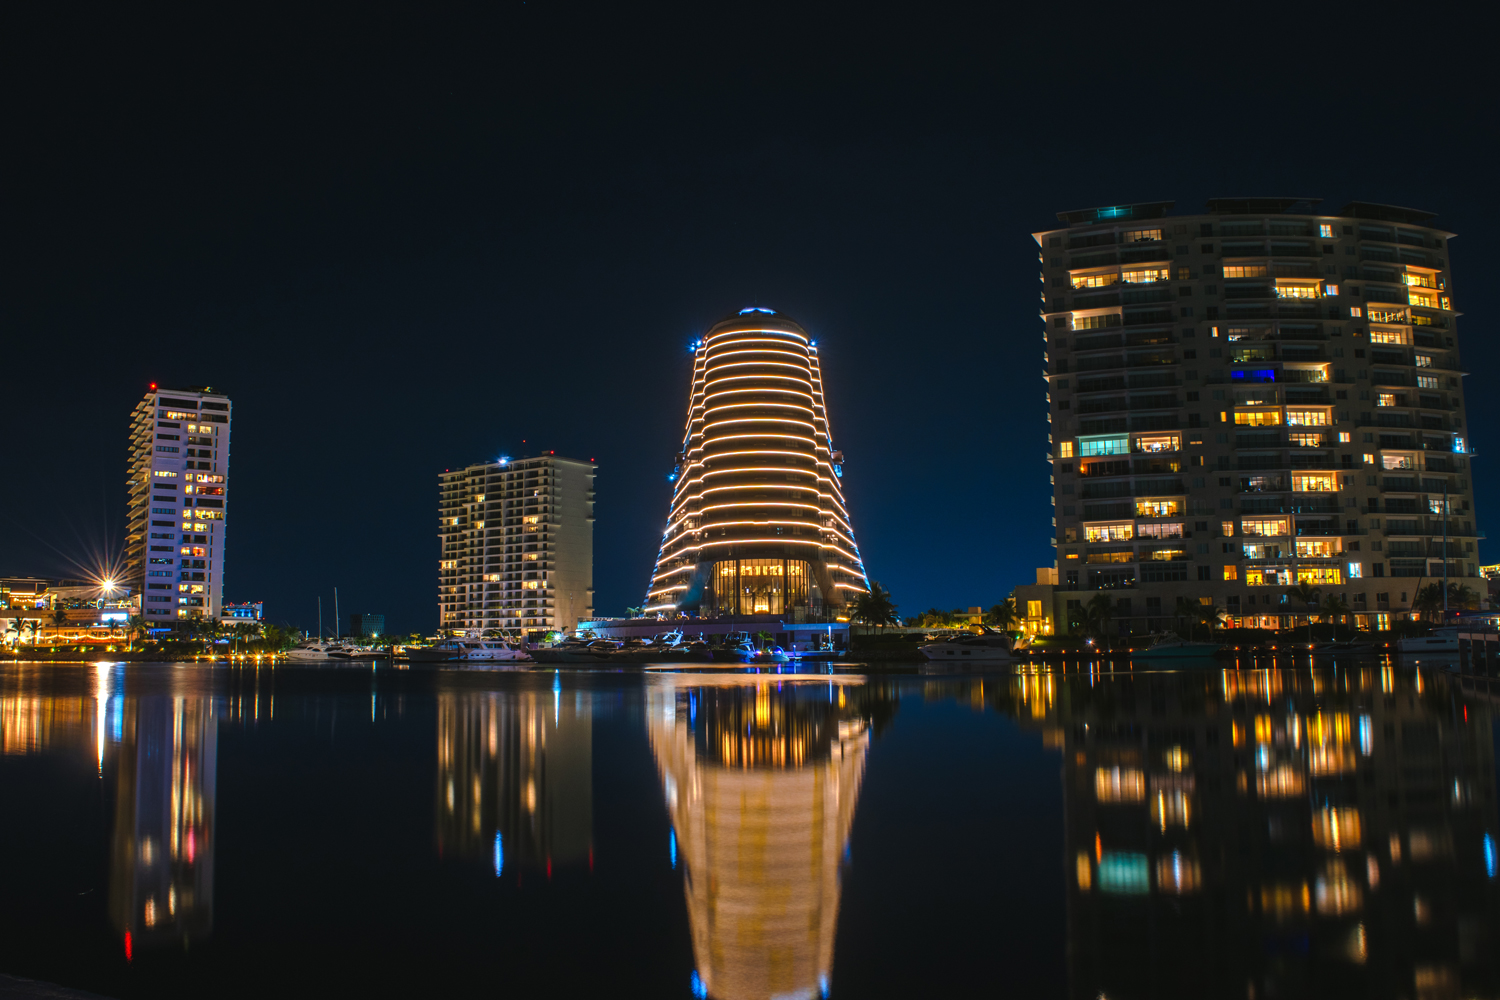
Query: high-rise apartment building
{"x": 178, "y": 487}
{"x": 517, "y": 544}
{"x": 758, "y": 523}
{"x": 1249, "y": 398}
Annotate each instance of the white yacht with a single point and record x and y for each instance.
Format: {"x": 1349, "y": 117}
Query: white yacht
{"x": 991, "y": 647}
{"x": 470, "y": 651}
{"x": 314, "y": 650}
{"x": 1440, "y": 640}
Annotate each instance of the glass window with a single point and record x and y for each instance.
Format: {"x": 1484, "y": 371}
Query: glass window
{"x": 1109, "y": 532}
{"x": 1158, "y": 442}
{"x": 1385, "y": 399}
{"x": 1095, "y": 280}
{"x": 1159, "y": 530}
{"x": 1268, "y": 527}
{"x": 1307, "y": 418}
{"x": 1264, "y": 418}
{"x": 1146, "y": 275}
{"x": 1115, "y": 444}
{"x": 1231, "y": 572}
{"x": 1158, "y": 508}
{"x": 1244, "y": 270}
{"x": 1390, "y": 336}
{"x": 1306, "y": 482}
{"x": 1142, "y": 235}
{"x": 1319, "y": 575}
{"x": 1065, "y": 449}
{"x": 1424, "y": 361}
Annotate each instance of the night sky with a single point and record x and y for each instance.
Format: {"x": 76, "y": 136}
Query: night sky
{"x": 408, "y": 237}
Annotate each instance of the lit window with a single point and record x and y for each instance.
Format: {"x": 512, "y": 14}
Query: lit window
{"x": 1268, "y": 576}
{"x": 1119, "y": 784}
{"x": 1397, "y": 461}
{"x": 1142, "y": 235}
{"x": 1390, "y": 336}
{"x": 1325, "y": 230}
{"x": 1245, "y": 270}
{"x": 1305, "y": 482}
{"x": 1356, "y": 571}
{"x": 1307, "y": 418}
{"x": 1159, "y": 530}
{"x": 1152, "y": 443}
{"x": 1065, "y": 449}
{"x": 1226, "y": 528}
{"x": 1330, "y": 289}
{"x": 1378, "y": 315}
{"x": 1113, "y": 445}
{"x": 1427, "y": 299}
{"x": 1318, "y": 548}
{"x": 1231, "y": 572}
{"x": 1033, "y": 609}
{"x": 164, "y": 475}
{"x": 1146, "y": 276}
{"x": 1369, "y": 459}
{"x": 1385, "y": 399}
{"x": 1305, "y": 440}
{"x": 1270, "y": 527}
{"x": 1109, "y": 532}
{"x": 1095, "y": 280}
{"x": 1319, "y": 575}
{"x": 1424, "y": 361}
{"x": 1355, "y": 312}
{"x": 1297, "y": 291}
{"x": 1344, "y": 437}
{"x": 1264, "y": 418}
{"x": 1157, "y": 508}
{"x": 1096, "y": 322}
{"x": 1420, "y": 280}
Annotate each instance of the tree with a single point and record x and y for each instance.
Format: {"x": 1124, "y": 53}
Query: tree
{"x": 1004, "y": 615}
{"x": 1098, "y": 613}
{"x": 1210, "y": 616}
{"x": 134, "y": 625}
{"x": 59, "y": 616}
{"x": 1336, "y": 608}
{"x": 1461, "y": 596}
{"x": 1308, "y": 595}
{"x": 1187, "y": 609}
{"x": 1428, "y": 600}
{"x": 874, "y": 608}
{"x": 20, "y": 626}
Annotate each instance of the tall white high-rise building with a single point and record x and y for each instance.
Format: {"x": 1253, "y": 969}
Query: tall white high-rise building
{"x": 178, "y": 487}
{"x": 517, "y": 544}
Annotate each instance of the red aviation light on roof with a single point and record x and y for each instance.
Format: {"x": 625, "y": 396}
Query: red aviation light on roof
{"x": 153, "y": 386}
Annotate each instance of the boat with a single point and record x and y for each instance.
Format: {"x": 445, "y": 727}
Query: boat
{"x": 311, "y": 650}
{"x": 1170, "y": 646}
{"x": 576, "y": 650}
{"x": 469, "y": 650}
{"x": 1440, "y": 640}
{"x": 991, "y": 647}
{"x": 1348, "y": 647}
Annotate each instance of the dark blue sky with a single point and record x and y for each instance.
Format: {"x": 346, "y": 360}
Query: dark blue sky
{"x": 405, "y": 240}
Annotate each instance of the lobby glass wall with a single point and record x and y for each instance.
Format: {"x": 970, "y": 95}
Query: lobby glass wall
{"x": 760, "y": 586}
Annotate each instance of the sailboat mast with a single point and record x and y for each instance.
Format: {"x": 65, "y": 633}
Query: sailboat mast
{"x": 320, "y": 617}
{"x": 337, "y": 632}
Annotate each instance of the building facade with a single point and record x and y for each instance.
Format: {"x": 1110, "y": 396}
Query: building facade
{"x": 757, "y": 522}
{"x": 366, "y": 625}
{"x": 178, "y": 498}
{"x": 517, "y": 544}
{"x": 1250, "y": 398}
{"x": 245, "y": 611}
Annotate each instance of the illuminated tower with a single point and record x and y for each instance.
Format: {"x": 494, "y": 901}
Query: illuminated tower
{"x": 758, "y": 523}
{"x": 179, "y": 465}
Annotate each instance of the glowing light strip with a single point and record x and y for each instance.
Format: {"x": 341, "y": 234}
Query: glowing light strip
{"x": 756, "y": 437}
{"x": 761, "y": 420}
{"x": 746, "y": 378}
{"x": 764, "y": 388}
{"x": 743, "y": 406}
{"x": 761, "y": 503}
{"x": 765, "y": 350}
{"x": 753, "y": 330}
{"x": 721, "y": 365}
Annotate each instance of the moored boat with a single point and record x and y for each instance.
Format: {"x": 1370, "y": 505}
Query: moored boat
{"x": 1170, "y": 646}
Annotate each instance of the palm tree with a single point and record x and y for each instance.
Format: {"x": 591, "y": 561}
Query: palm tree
{"x": 1209, "y": 615}
{"x": 933, "y": 618}
{"x": 59, "y": 616}
{"x": 1461, "y": 596}
{"x": 1308, "y": 595}
{"x": 134, "y": 625}
{"x": 1429, "y": 600}
{"x": 19, "y": 627}
{"x": 1098, "y": 613}
{"x": 1004, "y": 615}
{"x": 1336, "y": 608}
{"x": 1189, "y": 610}
{"x": 875, "y": 607}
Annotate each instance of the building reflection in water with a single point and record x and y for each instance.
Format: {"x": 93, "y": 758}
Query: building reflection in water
{"x": 1274, "y": 833}
{"x": 165, "y": 757}
{"x": 515, "y": 776}
{"x": 761, "y": 777}
{"x": 161, "y": 887}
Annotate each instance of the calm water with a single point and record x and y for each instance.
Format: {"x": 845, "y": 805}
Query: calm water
{"x": 188, "y": 831}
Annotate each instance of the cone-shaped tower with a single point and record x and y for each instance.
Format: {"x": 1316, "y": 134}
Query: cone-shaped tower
{"x": 758, "y": 523}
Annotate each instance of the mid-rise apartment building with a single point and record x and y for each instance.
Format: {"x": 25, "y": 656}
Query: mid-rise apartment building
{"x": 517, "y": 544}
{"x": 178, "y": 492}
{"x": 1249, "y": 398}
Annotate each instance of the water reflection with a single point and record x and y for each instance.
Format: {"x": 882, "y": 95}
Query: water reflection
{"x": 761, "y": 777}
{"x": 515, "y": 775}
{"x": 161, "y": 882}
{"x": 1271, "y": 833}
